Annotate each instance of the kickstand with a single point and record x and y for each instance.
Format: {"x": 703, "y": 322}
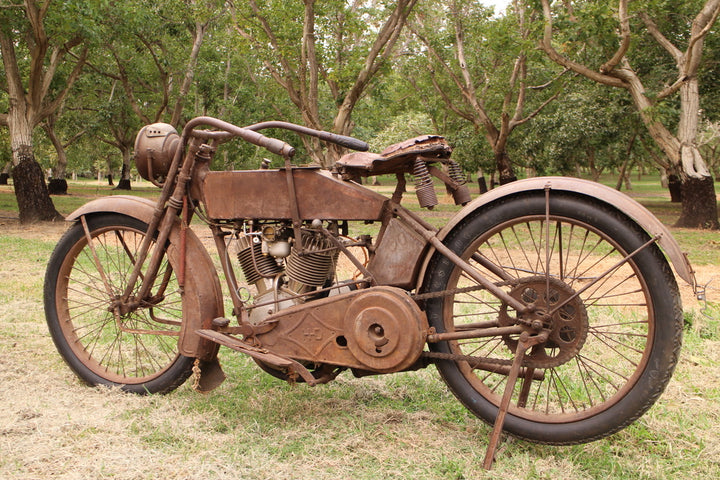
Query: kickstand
{"x": 525, "y": 342}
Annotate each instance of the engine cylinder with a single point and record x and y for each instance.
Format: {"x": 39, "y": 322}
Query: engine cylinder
{"x": 255, "y": 265}
{"x": 314, "y": 266}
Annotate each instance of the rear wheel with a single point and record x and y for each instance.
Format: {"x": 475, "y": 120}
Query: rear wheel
{"x": 136, "y": 349}
{"x": 614, "y": 323}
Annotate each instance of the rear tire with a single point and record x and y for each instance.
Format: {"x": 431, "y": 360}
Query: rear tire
{"x": 612, "y": 349}
{"x": 136, "y": 351}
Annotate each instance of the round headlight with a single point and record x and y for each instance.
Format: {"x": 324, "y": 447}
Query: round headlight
{"x": 155, "y": 147}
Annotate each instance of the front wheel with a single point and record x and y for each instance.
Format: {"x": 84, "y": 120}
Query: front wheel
{"x": 614, "y": 320}
{"x": 136, "y": 350}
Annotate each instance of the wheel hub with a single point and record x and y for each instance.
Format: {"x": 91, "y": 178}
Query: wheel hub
{"x": 567, "y": 325}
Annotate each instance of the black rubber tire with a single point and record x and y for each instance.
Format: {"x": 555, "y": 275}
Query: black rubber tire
{"x": 651, "y": 354}
{"x": 85, "y": 331}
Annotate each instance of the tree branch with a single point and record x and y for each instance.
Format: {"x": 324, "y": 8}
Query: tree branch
{"x": 198, "y": 36}
{"x": 481, "y": 117}
{"x": 536, "y": 112}
{"x": 449, "y": 103}
{"x": 53, "y": 106}
{"x": 654, "y": 31}
{"x": 546, "y": 46}
{"x": 12, "y": 71}
{"x": 624, "y": 38}
{"x": 309, "y": 63}
{"x": 381, "y": 49}
{"x": 127, "y": 86}
{"x": 287, "y": 78}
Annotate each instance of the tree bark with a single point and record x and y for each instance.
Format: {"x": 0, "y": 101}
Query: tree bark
{"x": 124, "y": 182}
{"x": 697, "y": 211}
{"x": 34, "y": 203}
{"x": 505, "y": 170}
{"x": 675, "y": 187}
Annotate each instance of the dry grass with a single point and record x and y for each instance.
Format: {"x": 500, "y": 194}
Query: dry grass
{"x": 253, "y": 427}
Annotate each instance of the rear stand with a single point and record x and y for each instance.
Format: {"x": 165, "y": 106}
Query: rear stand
{"x": 524, "y": 344}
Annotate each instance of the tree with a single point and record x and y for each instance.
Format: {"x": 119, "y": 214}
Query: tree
{"x": 588, "y": 131}
{"x": 699, "y": 204}
{"x": 323, "y": 54}
{"x": 145, "y": 75}
{"x": 484, "y": 77}
{"x": 30, "y": 50}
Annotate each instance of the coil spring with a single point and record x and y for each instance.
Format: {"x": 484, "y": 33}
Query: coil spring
{"x": 460, "y": 193}
{"x": 456, "y": 172}
{"x": 424, "y": 188}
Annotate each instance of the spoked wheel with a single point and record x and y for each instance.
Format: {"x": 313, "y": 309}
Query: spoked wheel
{"x": 601, "y": 292}
{"x": 103, "y": 342}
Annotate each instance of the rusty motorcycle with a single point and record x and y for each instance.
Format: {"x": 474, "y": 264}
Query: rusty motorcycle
{"x": 547, "y": 305}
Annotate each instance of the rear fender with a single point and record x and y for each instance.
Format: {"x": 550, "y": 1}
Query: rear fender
{"x": 202, "y": 296}
{"x": 583, "y": 188}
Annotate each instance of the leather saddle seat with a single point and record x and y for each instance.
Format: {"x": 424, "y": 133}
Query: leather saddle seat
{"x": 397, "y": 158}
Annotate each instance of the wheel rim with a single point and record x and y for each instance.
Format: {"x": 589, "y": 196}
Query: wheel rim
{"x": 129, "y": 348}
{"x": 608, "y": 328}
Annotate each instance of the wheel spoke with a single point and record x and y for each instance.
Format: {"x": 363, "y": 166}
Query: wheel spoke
{"x": 126, "y": 349}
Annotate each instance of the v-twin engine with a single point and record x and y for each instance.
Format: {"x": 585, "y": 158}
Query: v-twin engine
{"x": 376, "y": 329}
{"x": 282, "y": 273}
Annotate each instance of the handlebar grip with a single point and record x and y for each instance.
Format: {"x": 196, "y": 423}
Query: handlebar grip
{"x": 274, "y": 145}
{"x": 349, "y": 142}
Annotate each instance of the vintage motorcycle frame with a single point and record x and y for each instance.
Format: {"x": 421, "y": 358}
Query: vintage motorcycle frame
{"x": 372, "y": 334}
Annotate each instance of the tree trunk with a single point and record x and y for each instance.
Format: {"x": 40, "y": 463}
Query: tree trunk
{"x": 33, "y": 198}
{"x": 504, "y": 168}
{"x": 109, "y": 175}
{"x": 34, "y": 203}
{"x": 699, "y": 205}
{"x": 58, "y": 184}
{"x": 482, "y": 184}
{"x": 124, "y": 182}
{"x": 674, "y": 186}
{"x": 5, "y": 175}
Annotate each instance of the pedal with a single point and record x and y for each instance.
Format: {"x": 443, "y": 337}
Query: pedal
{"x": 220, "y": 323}
{"x": 290, "y": 365}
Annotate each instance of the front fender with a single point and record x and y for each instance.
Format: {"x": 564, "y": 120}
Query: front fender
{"x": 202, "y": 295}
{"x": 617, "y": 200}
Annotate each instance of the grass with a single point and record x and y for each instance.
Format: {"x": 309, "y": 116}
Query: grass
{"x": 402, "y": 426}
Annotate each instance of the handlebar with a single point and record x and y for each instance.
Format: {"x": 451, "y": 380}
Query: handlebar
{"x": 274, "y": 145}
{"x": 349, "y": 142}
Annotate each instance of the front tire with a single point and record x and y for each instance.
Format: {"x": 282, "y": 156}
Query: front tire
{"x": 136, "y": 351}
{"x": 612, "y": 346}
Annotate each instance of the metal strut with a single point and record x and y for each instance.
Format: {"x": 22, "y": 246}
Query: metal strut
{"x": 526, "y": 341}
